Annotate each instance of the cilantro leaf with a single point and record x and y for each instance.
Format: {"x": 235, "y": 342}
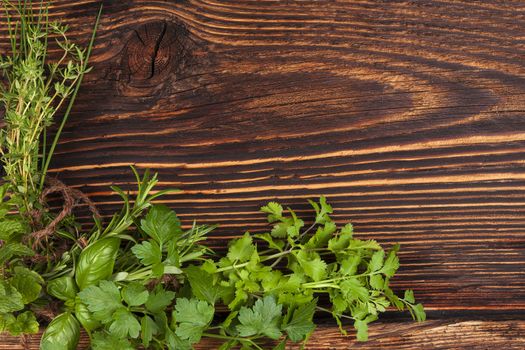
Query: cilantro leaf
{"x": 192, "y": 317}
{"x": 135, "y": 294}
{"x": 274, "y": 211}
{"x": 391, "y": 262}
{"x": 161, "y": 223}
{"x": 262, "y": 319}
{"x": 312, "y": 265}
{"x": 321, "y": 210}
{"x": 241, "y": 249}
{"x": 301, "y": 324}
{"x": 102, "y": 300}
{"x": 362, "y": 330}
{"x": 376, "y": 262}
{"x": 124, "y": 324}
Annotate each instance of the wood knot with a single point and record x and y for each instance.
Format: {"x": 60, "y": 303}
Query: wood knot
{"x": 155, "y": 53}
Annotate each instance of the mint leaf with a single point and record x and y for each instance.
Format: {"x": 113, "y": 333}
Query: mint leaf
{"x": 27, "y": 282}
{"x": 148, "y": 253}
{"x": 25, "y": 323}
{"x": 102, "y": 300}
{"x": 192, "y": 317}
{"x": 262, "y": 319}
{"x": 124, "y": 324}
{"x": 301, "y": 324}
{"x": 135, "y": 294}
{"x": 161, "y": 223}
{"x": 10, "y": 299}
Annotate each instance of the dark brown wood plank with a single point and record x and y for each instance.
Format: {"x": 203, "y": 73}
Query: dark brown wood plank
{"x": 450, "y": 334}
{"x": 408, "y": 115}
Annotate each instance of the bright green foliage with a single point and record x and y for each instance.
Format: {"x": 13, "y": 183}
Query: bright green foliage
{"x": 192, "y": 317}
{"x": 301, "y": 324}
{"x": 62, "y": 333}
{"x": 261, "y": 319}
{"x": 96, "y": 262}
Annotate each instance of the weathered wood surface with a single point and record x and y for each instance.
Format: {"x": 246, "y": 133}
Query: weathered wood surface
{"x": 449, "y": 334}
{"x": 408, "y": 115}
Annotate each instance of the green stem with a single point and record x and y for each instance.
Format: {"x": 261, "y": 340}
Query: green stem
{"x": 270, "y": 257}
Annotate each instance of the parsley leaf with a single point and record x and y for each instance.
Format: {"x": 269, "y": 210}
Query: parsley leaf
{"x": 161, "y": 223}
{"x": 135, "y": 294}
{"x": 262, "y": 319}
{"x": 148, "y": 253}
{"x": 104, "y": 341}
{"x": 102, "y": 300}
{"x": 202, "y": 285}
{"x": 192, "y": 317}
{"x": 301, "y": 324}
{"x": 124, "y": 324}
{"x": 159, "y": 299}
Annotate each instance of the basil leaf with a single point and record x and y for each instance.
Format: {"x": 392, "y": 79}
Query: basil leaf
{"x": 96, "y": 262}
{"x": 62, "y": 333}
{"x": 63, "y": 288}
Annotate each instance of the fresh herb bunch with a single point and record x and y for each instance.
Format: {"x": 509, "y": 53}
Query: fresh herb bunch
{"x": 164, "y": 290}
{"x": 142, "y": 279}
{"x": 35, "y": 89}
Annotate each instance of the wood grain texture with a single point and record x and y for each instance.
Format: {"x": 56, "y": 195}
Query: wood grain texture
{"x": 450, "y": 334}
{"x": 408, "y": 115}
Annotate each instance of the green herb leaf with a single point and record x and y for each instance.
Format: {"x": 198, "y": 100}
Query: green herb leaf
{"x": 62, "y": 333}
{"x": 104, "y": 341}
{"x": 262, "y": 319}
{"x": 148, "y": 253}
{"x": 124, "y": 324}
{"x": 96, "y": 262}
{"x": 241, "y": 249}
{"x": 202, "y": 285}
{"x": 102, "y": 300}
{"x": 159, "y": 299}
{"x": 135, "y": 294}
{"x": 192, "y": 317}
{"x": 301, "y": 324}
{"x": 10, "y": 299}
{"x": 148, "y": 329}
{"x": 161, "y": 223}
{"x": 27, "y": 282}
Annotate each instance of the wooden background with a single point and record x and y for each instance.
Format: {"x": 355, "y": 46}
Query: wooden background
{"x": 408, "y": 115}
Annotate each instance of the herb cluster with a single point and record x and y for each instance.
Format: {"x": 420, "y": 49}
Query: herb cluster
{"x": 142, "y": 279}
